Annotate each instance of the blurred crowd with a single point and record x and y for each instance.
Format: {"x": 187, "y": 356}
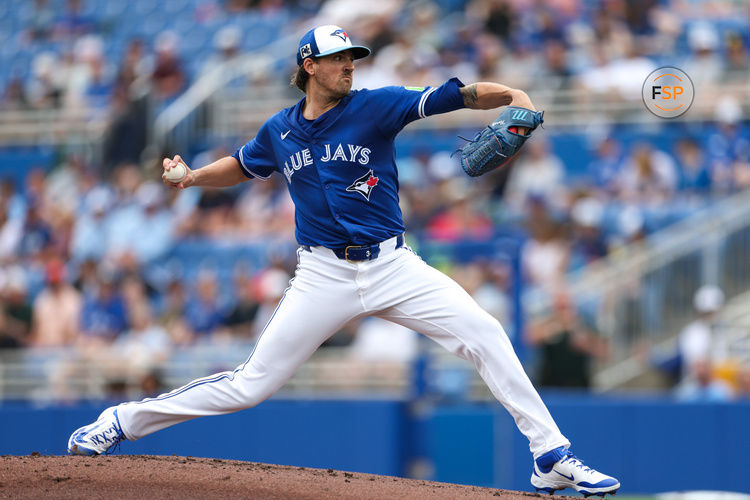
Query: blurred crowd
{"x": 97, "y": 261}
{"x": 107, "y": 275}
{"x": 711, "y": 353}
{"x": 550, "y": 46}
{"x": 83, "y": 270}
{"x": 90, "y": 259}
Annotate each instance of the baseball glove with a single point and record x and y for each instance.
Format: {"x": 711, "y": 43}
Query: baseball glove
{"x": 495, "y": 145}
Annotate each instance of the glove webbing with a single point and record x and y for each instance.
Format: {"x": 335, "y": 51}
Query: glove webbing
{"x": 486, "y": 150}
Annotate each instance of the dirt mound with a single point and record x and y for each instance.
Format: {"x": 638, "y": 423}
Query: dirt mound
{"x": 132, "y": 476}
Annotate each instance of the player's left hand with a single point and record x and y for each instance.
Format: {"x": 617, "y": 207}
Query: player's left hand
{"x": 502, "y": 139}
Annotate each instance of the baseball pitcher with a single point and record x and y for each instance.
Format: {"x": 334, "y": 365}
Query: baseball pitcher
{"x": 335, "y": 150}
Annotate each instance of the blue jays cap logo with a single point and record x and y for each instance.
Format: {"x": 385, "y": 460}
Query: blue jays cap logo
{"x": 364, "y": 185}
{"x": 341, "y": 34}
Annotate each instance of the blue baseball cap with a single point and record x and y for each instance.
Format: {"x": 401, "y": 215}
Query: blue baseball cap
{"x": 326, "y": 40}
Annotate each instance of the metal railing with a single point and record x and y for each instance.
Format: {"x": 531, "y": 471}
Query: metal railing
{"x": 241, "y": 111}
{"x": 644, "y": 295}
{"x": 186, "y": 117}
{"x": 211, "y": 107}
{"x": 82, "y": 125}
{"x": 67, "y": 374}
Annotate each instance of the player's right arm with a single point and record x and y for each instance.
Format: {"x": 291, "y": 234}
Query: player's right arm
{"x": 221, "y": 173}
{"x": 254, "y": 159}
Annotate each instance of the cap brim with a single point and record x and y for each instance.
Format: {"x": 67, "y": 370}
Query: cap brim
{"x": 359, "y": 51}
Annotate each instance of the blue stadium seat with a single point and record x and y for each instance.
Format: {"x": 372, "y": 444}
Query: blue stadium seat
{"x": 113, "y": 9}
{"x": 16, "y": 162}
{"x": 142, "y": 8}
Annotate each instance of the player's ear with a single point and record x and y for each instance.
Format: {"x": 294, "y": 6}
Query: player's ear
{"x": 309, "y": 65}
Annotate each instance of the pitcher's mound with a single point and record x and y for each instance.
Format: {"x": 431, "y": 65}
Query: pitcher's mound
{"x": 138, "y": 476}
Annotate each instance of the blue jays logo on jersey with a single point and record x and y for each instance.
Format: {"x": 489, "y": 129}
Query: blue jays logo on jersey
{"x": 341, "y": 34}
{"x": 364, "y": 185}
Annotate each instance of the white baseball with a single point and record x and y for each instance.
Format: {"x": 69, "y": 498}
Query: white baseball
{"x": 177, "y": 173}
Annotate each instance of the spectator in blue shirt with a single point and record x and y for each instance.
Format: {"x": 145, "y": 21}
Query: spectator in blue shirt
{"x": 695, "y": 177}
{"x": 104, "y": 315}
{"x": 202, "y": 312}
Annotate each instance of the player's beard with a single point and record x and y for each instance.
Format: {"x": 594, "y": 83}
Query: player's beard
{"x": 343, "y": 86}
{"x": 339, "y": 87}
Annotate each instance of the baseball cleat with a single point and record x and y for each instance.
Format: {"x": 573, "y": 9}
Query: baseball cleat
{"x": 99, "y": 437}
{"x": 560, "y": 469}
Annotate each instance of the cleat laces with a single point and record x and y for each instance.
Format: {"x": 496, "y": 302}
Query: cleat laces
{"x": 575, "y": 461}
{"x": 106, "y": 436}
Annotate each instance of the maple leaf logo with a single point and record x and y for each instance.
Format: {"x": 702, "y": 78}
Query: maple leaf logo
{"x": 364, "y": 185}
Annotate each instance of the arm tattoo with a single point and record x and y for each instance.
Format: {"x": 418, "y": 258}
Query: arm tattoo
{"x": 469, "y": 93}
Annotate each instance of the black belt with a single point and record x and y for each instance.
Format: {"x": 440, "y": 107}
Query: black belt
{"x": 359, "y": 253}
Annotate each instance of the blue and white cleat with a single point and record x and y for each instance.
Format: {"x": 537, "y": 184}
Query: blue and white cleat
{"x": 98, "y": 438}
{"x": 559, "y": 469}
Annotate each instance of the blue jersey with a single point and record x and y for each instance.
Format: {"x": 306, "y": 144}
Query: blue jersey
{"x": 340, "y": 168}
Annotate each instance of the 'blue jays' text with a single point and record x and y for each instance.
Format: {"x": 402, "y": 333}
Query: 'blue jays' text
{"x": 349, "y": 152}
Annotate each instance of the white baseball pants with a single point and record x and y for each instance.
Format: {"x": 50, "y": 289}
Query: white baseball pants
{"x": 327, "y": 292}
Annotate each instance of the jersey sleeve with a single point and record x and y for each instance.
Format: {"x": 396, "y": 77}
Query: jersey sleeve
{"x": 256, "y": 156}
{"x": 396, "y": 107}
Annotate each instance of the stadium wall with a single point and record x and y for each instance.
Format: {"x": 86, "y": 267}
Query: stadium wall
{"x": 651, "y": 445}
